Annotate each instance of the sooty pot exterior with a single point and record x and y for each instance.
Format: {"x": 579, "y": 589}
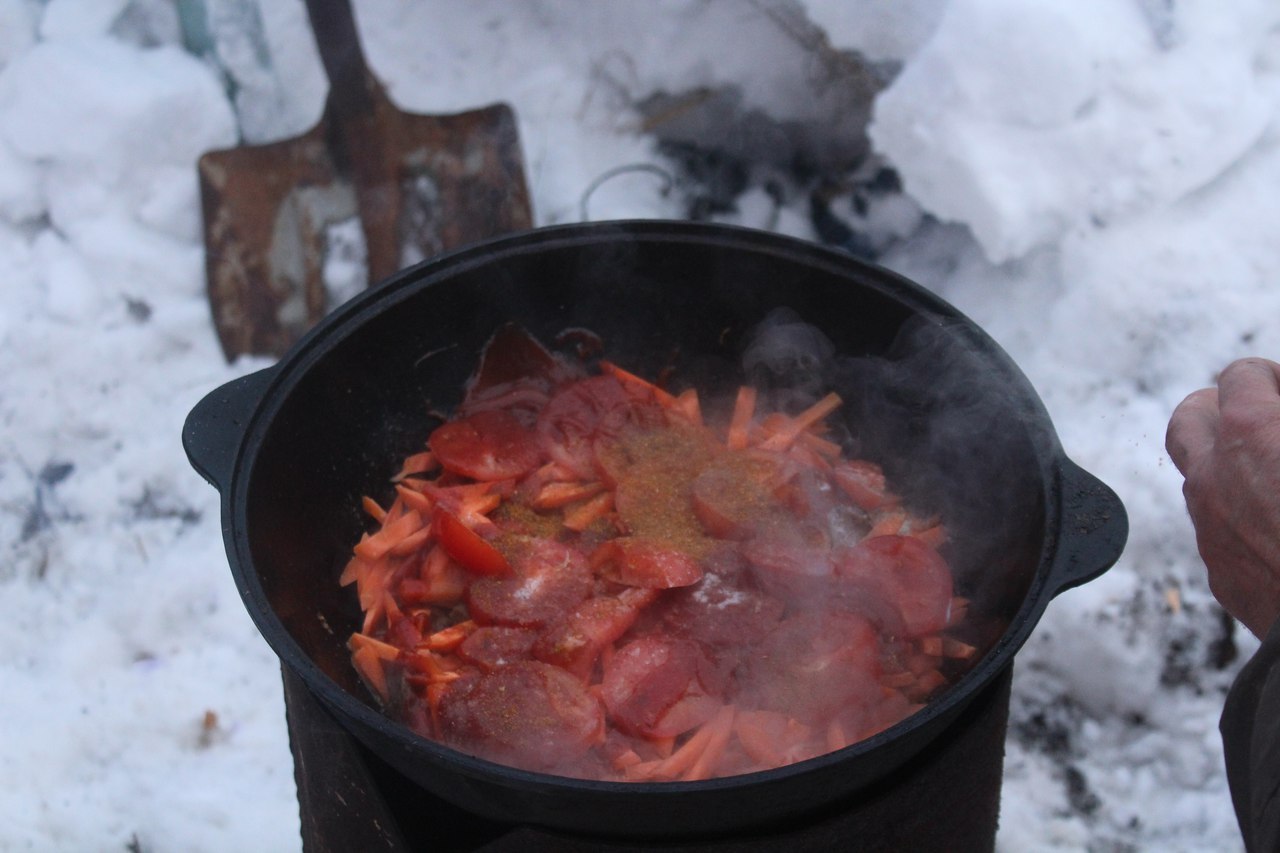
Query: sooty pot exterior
{"x": 293, "y": 448}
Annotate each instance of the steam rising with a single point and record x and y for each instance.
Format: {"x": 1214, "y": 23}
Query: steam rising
{"x": 955, "y": 427}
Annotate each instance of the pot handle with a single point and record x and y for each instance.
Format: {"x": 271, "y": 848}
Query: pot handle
{"x": 1093, "y": 530}
{"x": 213, "y": 430}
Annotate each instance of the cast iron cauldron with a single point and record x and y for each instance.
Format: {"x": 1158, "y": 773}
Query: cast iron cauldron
{"x": 957, "y": 426}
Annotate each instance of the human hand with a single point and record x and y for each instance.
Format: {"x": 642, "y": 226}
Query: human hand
{"x": 1226, "y": 443}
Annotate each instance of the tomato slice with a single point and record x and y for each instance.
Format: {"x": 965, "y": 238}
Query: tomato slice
{"x": 590, "y": 409}
{"x": 907, "y": 573}
{"x": 466, "y": 546}
{"x": 528, "y": 714}
{"x": 549, "y": 580}
{"x": 488, "y": 445}
{"x": 645, "y": 564}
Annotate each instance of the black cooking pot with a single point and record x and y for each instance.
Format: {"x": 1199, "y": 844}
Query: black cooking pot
{"x": 958, "y": 428}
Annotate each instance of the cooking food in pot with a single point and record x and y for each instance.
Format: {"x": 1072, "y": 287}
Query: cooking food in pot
{"x": 581, "y": 573}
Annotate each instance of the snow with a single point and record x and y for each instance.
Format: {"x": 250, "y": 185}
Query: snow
{"x": 1091, "y": 181}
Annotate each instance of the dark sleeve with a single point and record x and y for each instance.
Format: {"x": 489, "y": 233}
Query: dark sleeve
{"x": 1250, "y": 727}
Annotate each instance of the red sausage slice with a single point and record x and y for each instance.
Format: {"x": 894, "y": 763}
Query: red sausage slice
{"x": 575, "y": 642}
{"x": 495, "y": 646}
{"x": 529, "y": 715}
{"x": 814, "y": 665}
{"x": 550, "y": 580}
{"x": 648, "y": 678}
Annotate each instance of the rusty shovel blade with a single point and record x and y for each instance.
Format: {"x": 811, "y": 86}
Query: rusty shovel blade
{"x": 418, "y": 185}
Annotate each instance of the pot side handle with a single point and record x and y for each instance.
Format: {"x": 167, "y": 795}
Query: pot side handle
{"x": 213, "y": 429}
{"x": 1093, "y": 531}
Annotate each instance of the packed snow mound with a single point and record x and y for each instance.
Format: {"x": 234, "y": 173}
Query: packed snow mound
{"x": 1027, "y": 122}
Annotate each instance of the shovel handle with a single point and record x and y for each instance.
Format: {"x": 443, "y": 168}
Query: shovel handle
{"x": 352, "y": 87}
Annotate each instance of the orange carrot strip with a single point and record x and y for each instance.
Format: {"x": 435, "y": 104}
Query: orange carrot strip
{"x": 424, "y": 504}
{"x": 889, "y": 524}
{"x": 369, "y": 665}
{"x": 556, "y": 495}
{"x": 688, "y": 404}
{"x": 836, "y": 738}
{"x": 664, "y": 745}
{"x": 446, "y": 581}
{"x": 934, "y": 536}
{"x": 354, "y": 569}
{"x": 579, "y": 518}
{"x": 392, "y": 532}
{"x": 628, "y": 378}
{"x": 450, "y": 638}
{"x": 785, "y": 437}
{"x": 630, "y": 758}
{"x": 959, "y": 610}
{"x": 952, "y": 648}
{"x": 931, "y": 646}
{"x": 416, "y": 463}
{"x": 411, "y": 543}
{"x": 897, "y": 680}
{"x": 926, "y": 684}
{"x": 721, "y": 728}
{"x": 376, "y": 512}
{"x": 820, "y": 445}
{"x": 744, "y": 407}
{"x": 380, "y": 649}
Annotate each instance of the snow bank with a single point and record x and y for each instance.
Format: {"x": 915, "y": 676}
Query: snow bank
{"x": 1027, "y": 122}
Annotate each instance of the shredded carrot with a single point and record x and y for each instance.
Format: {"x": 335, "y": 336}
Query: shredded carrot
{"x": 785, "y": 437}
{"x": 352, "y": 571}
{"x": 957, "y": 650}
{"x": 369, "y": 665}
{"x": 556, "y": 495}
{"x": 931, "y": 646}
{"x": 935, "y": 537}
{"x": 416, "y": 499}
{"x": 823, "y": 447}
{"x": 579, "y": 518}
{"x": 626, "y": 377}
{"x": 450, "y": 638}
{"x": 836, "y": 738}
{"x": 392, "y": 532}
{"x": 411, "y": 543}
{"x": 381, "y": 650}
{"x": 376, "y": 512}
{"x": 417, "y": 463}
{"x": 926, "y": 684}
{"x": 720, "y": 729}
{"x": 896, "y": 680}
{"x": 959, "y": 610}
{"x": 630, "y": 758}
{"x": 888, "y": 524}
{"x": 744, "y": 407}
{"x": 687, "y": 404}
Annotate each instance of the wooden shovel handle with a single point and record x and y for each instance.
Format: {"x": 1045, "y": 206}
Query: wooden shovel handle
{"x": 352, "y": 87}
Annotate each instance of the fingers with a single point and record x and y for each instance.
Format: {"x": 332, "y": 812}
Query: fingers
{"x": 1192, "y": 428}
{"x": 1249, "y": 380}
